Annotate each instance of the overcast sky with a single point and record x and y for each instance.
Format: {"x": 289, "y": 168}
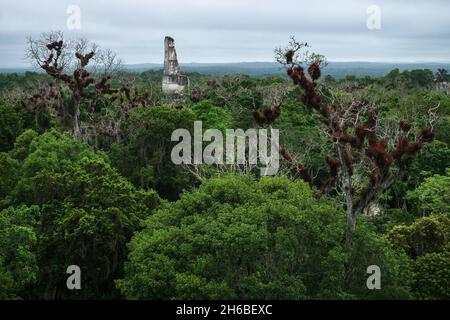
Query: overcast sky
{"x": 236, "y": 30}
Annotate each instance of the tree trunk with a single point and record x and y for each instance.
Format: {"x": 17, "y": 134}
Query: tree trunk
{"x": 76, "y": 131}
{"x": 347, "y": 184}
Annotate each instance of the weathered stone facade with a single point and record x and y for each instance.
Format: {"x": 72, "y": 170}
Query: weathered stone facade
{"x": 173, "y": 81}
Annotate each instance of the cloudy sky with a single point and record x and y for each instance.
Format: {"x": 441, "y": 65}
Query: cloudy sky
{"x": 236, "y": 30}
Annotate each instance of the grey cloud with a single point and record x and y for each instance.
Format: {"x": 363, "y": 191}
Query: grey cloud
{"x": 236, "y": 30}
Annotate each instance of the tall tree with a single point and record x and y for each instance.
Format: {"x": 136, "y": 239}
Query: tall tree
{"x": 83, "y": 70}
{"x": 362, "y": 147}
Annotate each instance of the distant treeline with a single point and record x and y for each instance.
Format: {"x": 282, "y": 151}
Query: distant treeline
{"x": 338, "y": 70}
{"x": 415, "y": 77}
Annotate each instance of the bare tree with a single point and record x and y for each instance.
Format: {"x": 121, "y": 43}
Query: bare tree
{"x": 37, "y": 51}
{"x": 104, "y": 61}
{"x": 85, "y": 70}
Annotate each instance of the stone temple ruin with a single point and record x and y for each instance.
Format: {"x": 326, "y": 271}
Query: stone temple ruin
{"x": 172, "y": 81}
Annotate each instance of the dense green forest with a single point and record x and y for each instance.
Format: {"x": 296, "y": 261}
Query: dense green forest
{"x": 86, "y": 179}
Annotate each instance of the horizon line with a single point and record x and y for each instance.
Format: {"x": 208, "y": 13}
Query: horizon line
{"x": 272, "y": 62}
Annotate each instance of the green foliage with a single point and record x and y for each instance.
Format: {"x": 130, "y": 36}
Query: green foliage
{"x": 212, "y": 117}
{"x": 425, "y": 235}
{"x": 87, "y": 212}
{"x": 239, "y": 238}
{"x": 427, "y": 240}
{"x": 18, "y": 268}
{"x": 411, "y": 78}
{"x": 9, "y": 173}
{"x": 238, "y": 94}
{"x": 62, "y": 202}
{"x": 145, "y": 157}
{"x": 12, "y": 122}
{"x": 419, "y": 77}
{"x": 22, "y": 144}
{"x": 432, "y": 195}
{"x": 90, "y": 212}
{"x": 49, "y": 153}
{"x": 433, "y": 159}
{"x": 432, "y": 273}
{"x": 389, "y": 218}
{"x": 28, "y": 80}
{"x": 370, "y": 249}
{"x": 298, "y": 132}
{"x": 226, "y": 240}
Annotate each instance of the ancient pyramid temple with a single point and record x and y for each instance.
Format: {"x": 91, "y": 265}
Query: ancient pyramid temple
{"x": 172, "y": 81}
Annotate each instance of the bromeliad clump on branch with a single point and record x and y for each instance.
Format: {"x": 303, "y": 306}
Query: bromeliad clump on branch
{"x": 355, "y": 133}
